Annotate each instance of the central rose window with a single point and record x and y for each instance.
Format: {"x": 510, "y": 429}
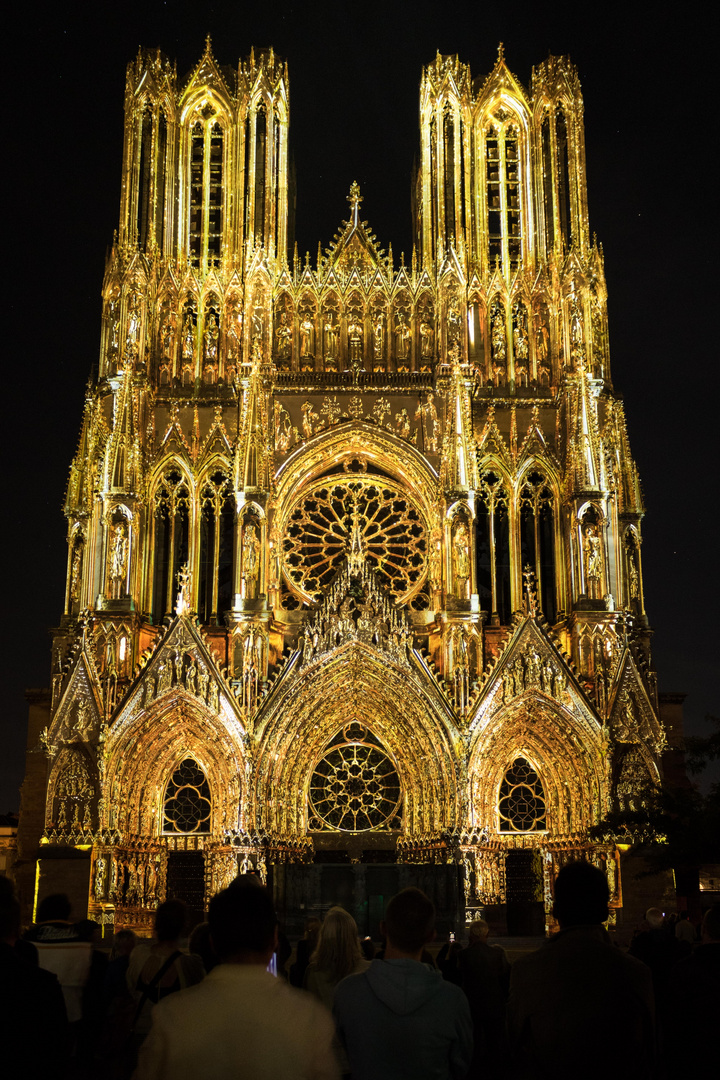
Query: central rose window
{"x": 355, "y": 786}
{"x": 318, "y": 532}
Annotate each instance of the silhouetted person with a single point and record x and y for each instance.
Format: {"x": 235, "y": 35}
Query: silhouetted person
{"x": 240, "y": 1021}
{"x": 159, "y": 968}
{"x": 65, "y": 948}
{"x": 690, "y": 1021}
{"x": 400, "y": 1020}
{"x": 32, "y": 1006}
{"x": 485, "y": 978}
{"x": 199, "y": 944}
{"x": 659, "y": 949}
{"x": 684, "y": 929}
{"x": 305, "y": 948}
{"x": 576, "y": 986}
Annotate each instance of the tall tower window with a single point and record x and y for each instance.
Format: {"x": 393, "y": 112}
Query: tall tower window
{"x": 521, "y": 804}
{"x": 536, "y": 539}
{"x": 170, "y": 549}
{"x": 547, "y": 182}
{"x": 563, "y": 178}
{"x": 206, "y": 194}
{"x": 493, "y": 549}
{"x": 502, "y": 172}
{"x": 217, "y": 522}
{"x": 187, "y": 805}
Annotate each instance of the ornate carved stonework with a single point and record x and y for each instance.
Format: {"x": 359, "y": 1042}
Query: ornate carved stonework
{"x": 354, "y": 545}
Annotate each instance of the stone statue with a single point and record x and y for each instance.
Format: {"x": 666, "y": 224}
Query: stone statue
{"x": 212, "y": 333}
{"x": 283, "y": 338}
{"x": 191, "y": 676}
{"x": 378, "y": 335}
{"x": 100, "y": 877}
{"x": 593, "y": 559}
{"x": 427, "y": 340}
{"x": 119, "y": 553}
{"x": 250, "y": 561}
{"x": 310, "y": 418}
{"x": 188, "y": 337}
{"x": 427, "y": 413}
{"x": 75, "y": 571}
{"x": 499, "y": 343}
{"x": 355, "y": 337}
{"x": 461, "y": 560}
{"x": 330, "y": 329}
{"x": 307, "y": 329}
{"x": 402, "y": 337}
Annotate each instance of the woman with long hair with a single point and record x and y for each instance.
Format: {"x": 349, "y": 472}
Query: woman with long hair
{"x": 338, "y": 954}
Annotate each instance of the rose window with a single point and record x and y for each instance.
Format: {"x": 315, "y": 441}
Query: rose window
{"x": 355, "y": 788}
{"x": 522, "y": 800}
{"x": 318, "y": 534}
{"x": 187, "y": 800}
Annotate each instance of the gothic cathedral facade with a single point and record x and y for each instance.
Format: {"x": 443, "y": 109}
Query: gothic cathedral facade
{"x": 354, "y": 548}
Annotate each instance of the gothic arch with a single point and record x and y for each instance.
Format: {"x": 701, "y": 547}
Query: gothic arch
{"x": 145, "y": 752}
{"x": 565, "y": 753}
{"x": 406, "y": 717}
{"x": 352, "y": 439}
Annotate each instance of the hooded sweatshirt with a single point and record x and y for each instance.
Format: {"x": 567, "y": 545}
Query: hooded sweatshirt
{"x": 400, "y": 1019}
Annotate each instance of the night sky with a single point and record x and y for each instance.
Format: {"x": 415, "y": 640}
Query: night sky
{"x": 354, "y": 72}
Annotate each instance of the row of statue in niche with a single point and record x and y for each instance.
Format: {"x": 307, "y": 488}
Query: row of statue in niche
{"x": 520, "y": 346}
{"x": 182, "y": 671}
{"x": 422, "y": 424}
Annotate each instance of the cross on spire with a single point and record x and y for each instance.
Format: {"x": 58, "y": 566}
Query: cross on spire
{"x": 355, "y": 198}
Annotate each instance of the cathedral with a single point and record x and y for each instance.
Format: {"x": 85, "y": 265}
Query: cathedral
{"x": 354, "y": 584}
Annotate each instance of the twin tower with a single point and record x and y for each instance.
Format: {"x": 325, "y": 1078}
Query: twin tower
{"x": 354, "y": 580}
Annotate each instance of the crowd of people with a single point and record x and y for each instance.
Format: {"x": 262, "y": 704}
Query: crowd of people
{"x": 224, "y": 1007}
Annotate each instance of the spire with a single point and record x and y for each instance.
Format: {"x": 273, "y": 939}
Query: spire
{"x": 355, "y": 198}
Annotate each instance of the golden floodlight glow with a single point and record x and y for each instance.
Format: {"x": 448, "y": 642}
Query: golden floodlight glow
{"x": 354, "y": 545}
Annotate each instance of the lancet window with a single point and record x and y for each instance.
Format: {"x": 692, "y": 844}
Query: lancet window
{"x": 187, "y": 804}
{"x": 217, "y": 521}
{"x": 206, "y": 193}
{"x": 537, "y": 549}
{"x": 151, "y": 166}
{"x": 521, "y": 805}
{"x": 556, "y": 178}
{"x": 502, "y": 178}
{"x": 493, "y": 548}
{"x": 171, "y": 540}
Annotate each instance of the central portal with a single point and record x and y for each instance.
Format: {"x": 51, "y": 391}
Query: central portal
{"x": 362, "y": 888}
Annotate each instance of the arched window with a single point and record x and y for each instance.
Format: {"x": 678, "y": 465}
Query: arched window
{"x": 537, "y": 546}
{"x": 521, "y": 805}
{"x": 547, "y": 182}
{"x": 206, "y": 193}
{"x": 493, "y": 548}
{"x": 449, "y": 174}
{"x": 217, "y": 523}
{"x": 171, "y": 541}
{"x": 563, "y": 178}
{"x": 502, "y": 180}
{"x": 260, "y": 173}
{"x": 187, "y": 805}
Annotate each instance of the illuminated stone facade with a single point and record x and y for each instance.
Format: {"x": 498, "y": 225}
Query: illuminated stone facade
{"x": 354, "y": 548}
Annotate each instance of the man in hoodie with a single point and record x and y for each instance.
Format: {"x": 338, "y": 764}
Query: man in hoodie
{"x": 400, "y": 1019}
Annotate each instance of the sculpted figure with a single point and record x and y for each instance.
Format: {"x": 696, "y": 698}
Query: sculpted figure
{"x": 378, "y": 335}
{"x": 331, "y": 335}
{"x": 402, "y": 337}
{"x": 499, "y": 343}
{"x": 250, "y": 561}
{"x": 188, "y": 337}
{"x": 427, "y": 340}
{"x": 307, "y": 329}
{"x": 402, "y": 423}
{"x": 310, "y": 417}
{"x": 355, "y": 337}
{"x": 593, "y": 558}
{"x": 203, "y": 679}
{"x": 212, "y": 333}
{"x": 427, "y": 413}
{"x": 283, "y": 338}
{"x": 191, "y": 676}
{"x": 119, "y": 553}
{"x": 461, "y": 559}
